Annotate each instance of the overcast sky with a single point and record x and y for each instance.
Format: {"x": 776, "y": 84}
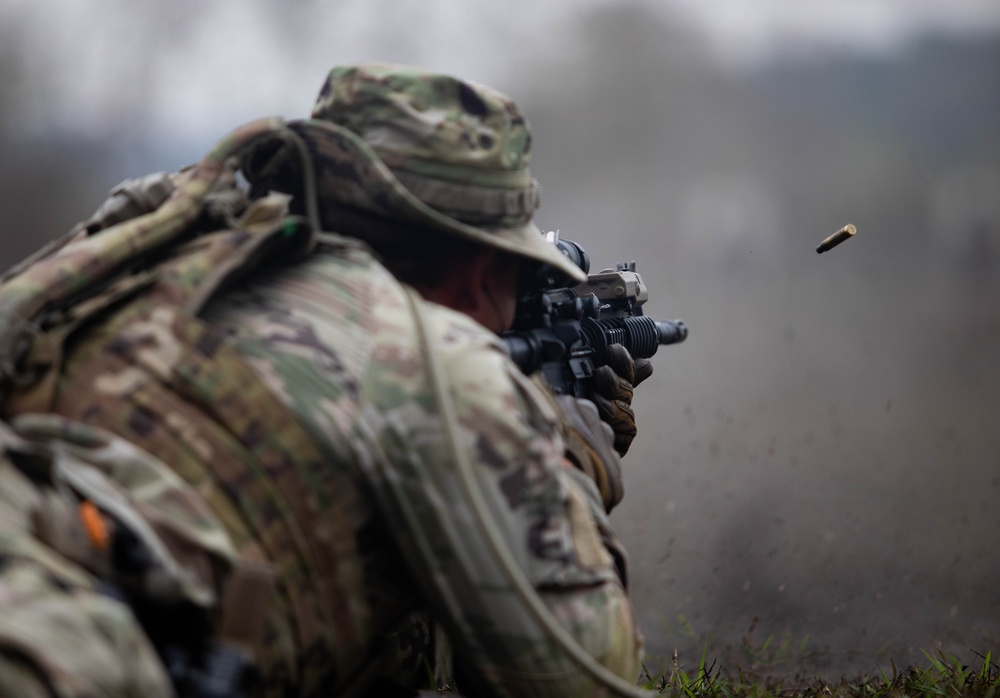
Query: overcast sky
{"x": 741, "y": 30}
{"x": 197, "y": 66}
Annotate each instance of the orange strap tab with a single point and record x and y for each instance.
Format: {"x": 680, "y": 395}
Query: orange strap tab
{"x": 93, "y": 523}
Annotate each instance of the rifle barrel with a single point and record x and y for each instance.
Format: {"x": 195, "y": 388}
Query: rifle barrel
{"x": 671, "y": 331}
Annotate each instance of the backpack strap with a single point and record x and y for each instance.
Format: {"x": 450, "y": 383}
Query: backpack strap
{"x": 186, "y": 281}
{"x": 79, "y": 263}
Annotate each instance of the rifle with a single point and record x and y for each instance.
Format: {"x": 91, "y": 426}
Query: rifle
{"x": 564, "y": 332}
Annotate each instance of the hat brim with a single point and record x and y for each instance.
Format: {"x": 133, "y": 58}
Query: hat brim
{"x": 348, "y": 170}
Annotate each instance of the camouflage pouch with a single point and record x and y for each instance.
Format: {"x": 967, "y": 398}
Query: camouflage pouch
{"x": 88, "y": 521}
{"x": 179, "y": 551}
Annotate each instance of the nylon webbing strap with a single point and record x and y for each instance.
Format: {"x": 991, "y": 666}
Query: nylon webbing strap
{"x": 72, "y": 269}
{"x": 483, "y": 202}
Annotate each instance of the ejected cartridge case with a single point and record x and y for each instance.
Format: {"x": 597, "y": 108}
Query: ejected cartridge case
{"x": 848, "y": 231}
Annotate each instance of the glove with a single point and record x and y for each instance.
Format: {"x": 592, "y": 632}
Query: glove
{"x": 589, "y": 445}
{"x": 613, "y": 386}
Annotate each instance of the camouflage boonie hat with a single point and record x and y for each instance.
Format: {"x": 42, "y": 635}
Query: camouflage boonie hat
{"x": 431, "y": 149}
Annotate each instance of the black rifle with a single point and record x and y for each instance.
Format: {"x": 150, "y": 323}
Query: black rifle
{"x": 564, "y": 332}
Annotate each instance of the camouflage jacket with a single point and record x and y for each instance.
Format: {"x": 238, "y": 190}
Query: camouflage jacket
{"x": 348, "y": 348}
{"x": 330, "y": 420}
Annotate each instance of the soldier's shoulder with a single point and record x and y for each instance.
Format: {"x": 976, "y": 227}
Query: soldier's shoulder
{"x": 457, "y": 332}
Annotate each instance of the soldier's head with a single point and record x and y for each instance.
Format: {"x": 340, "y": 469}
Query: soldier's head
{"x": 433, "y": 171}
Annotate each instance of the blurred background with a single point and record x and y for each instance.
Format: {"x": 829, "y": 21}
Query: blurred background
{"x": 816, "y": 484}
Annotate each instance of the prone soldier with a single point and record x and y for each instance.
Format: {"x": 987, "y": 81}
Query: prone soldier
{"x": 268, "y": 441}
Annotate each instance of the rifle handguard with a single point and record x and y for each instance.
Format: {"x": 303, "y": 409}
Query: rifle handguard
{"x": 565, "y": 332}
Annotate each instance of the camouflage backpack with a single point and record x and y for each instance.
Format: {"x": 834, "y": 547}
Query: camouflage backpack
{"x": 165, "y": 243}
{"x": 107, "y": 258}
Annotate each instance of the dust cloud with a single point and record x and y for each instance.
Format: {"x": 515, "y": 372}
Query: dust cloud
{"x": 816, "y": 483}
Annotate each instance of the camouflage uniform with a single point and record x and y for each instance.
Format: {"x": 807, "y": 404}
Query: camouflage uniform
{"x": 378, "y": 453}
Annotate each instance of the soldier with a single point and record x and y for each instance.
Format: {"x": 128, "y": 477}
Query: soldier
{"x": 327, "y": 477}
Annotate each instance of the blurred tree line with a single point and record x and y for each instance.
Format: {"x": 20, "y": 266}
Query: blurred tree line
{"x": 631, "y": 108}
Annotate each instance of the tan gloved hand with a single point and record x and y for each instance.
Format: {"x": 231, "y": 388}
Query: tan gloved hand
{"x": 613, "y": 387}
{"x": 589, "y": 446}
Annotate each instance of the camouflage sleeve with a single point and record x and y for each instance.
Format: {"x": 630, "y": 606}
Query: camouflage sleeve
{"x": 520, "y": 493}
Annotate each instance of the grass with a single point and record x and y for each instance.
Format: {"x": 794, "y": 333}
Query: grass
{"x": 944, "y": 675}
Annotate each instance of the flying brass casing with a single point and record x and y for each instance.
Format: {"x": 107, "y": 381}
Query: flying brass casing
{"x": 848, "y": 231}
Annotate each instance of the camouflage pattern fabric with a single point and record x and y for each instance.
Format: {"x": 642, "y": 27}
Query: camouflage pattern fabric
{"x": 268, "y": 406}
{"x": 298, "y": 410}
{"x": 433, "y": 150}
{"x": 59, "y": 634}
{"x": 148, "y": 370}
{"x": 335, "y": 339}
{"x": 447, "y": 120}
{"x": 77, "y": 263}
{"x": 174, "y": 386}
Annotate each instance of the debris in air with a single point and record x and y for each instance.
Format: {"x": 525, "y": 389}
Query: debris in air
{"x": 848, "y": 231}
